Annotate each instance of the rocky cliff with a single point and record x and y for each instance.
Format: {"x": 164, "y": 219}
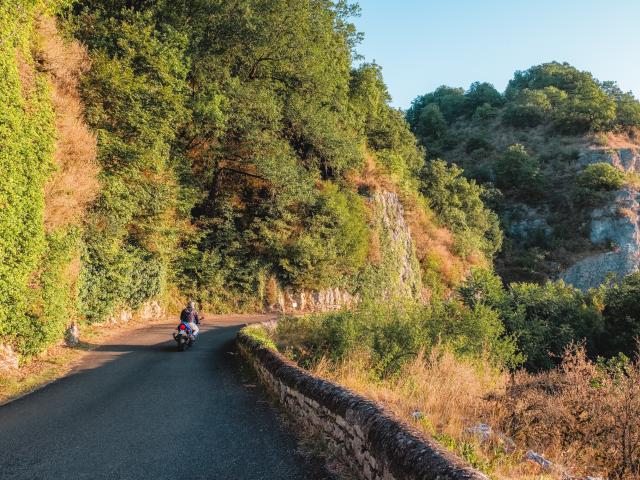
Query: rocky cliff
{"x": 614, "y": 227}
{"x": 393, "y": 271}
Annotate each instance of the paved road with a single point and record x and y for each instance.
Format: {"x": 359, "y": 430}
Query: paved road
{"x": 138, "y": 409}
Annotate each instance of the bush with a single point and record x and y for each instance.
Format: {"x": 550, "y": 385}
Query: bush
{"x": 622, "y": 317}
{"x": 518, "y": 172}
{"x": 601, "y": 177}
{"x": 590, "y": 410}
{"x": 394, "y": 334}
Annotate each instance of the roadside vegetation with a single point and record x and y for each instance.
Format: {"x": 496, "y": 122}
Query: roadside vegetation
{"x": 224, "y": 151}
{"x": 156, "y": 151}
{"x": 456, "y": 370}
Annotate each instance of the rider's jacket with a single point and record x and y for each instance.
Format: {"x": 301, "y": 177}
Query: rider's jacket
{"x": 189, "y": 315}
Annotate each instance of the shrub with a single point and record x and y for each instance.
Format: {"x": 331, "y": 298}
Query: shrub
{"x": 393, "y": 334}
{"x": 584, "y": 414}
{"x": 601, "y": 177}
{"x": 518, "y": 172}
{"x": 622, "y": 317}
{"x": 477, "y": 143}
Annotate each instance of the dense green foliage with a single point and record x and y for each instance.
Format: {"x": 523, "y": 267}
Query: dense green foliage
{"x": 35, "y": 303}
{"x": 233, "y": 141}
{"x": 239, "y": 151}
{"x": 622, "y": 317}
{"x": 135, "y": 102}
{"x": 244, "y": 122}
{"x": 458, "y": 202}
{"x": 543, "y": 318}
{"x": 239, "y": 147}
{"x": 601, "y": 177}
{"x": 523, "y": 148}
{"x": 393, "y": 334}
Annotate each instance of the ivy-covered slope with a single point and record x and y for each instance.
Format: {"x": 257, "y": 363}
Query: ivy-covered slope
{"x": 36, "y": 281}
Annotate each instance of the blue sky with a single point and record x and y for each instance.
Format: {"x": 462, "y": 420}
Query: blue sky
{"x": 423, "y": 44}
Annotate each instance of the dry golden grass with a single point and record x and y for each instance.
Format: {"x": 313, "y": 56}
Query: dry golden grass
{"x": 582, "y": 417}
{"x": 620, "y": 139}
{"x": 74, "y": 185}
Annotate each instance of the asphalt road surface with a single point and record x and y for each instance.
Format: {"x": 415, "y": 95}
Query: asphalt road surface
{"x": 136, "y": 408}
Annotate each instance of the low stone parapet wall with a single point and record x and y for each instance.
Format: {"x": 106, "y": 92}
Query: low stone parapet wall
{"x": 371, "y": 440}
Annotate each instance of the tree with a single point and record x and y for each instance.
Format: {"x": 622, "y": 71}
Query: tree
{"x": 450, "y": 101}
{"x": 528, "y": 109}
{"x": 518, "y": 172}
{"x": 432, "y": 126}
{"x": 458, "y": 203}
{"x": 481, "y": 93}
{"x": 547, "y": 318}
{"x": 622, "y": 317}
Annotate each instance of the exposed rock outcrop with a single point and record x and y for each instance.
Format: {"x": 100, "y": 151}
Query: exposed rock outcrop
{"x": 72, "y": 335}
{"x": 315, "y": 301}
{"x": 614, "y": 226}
{"x": 398, "y": 260}
{"x": 148, "y": 311}
{"x": 523, "y": 221}
{"x": 394, "y": 273}
{"x": 151, "y": 310}
{"x": 626, "y": 159}
{"x": 8, "y": 359}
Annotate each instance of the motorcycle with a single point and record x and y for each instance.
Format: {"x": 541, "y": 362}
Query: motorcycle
{"x": 185, "y": 337}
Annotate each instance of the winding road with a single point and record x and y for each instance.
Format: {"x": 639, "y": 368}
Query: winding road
{"x": 136, "y": 408}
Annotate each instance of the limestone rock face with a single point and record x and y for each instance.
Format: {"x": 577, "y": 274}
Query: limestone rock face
{"x": 523, "y": 221}
{"x": 326, "y": 300}
{"x": 626, "y": 159}
{"x": 72, "y": 335}
{"x": 614, "y": 227}
{"x": 396, "y": 272}
{"x": 397, "y": 251}
{"x": 151, "y": 310}
{"x": 123, "y": 316}
{"x": 8, "y": 359}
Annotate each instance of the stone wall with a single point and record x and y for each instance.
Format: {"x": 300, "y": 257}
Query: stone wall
{"x": 367, "y": 438}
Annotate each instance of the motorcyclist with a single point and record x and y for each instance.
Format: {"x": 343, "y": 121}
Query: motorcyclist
{"x": 190, "y": 316}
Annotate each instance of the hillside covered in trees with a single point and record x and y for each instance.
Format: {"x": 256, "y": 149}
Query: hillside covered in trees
{"x": 161, "y": 151}
{"x": 202, "y": 149}
{"x": 540, "y": 150}
{"x": 227, "y": 152}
